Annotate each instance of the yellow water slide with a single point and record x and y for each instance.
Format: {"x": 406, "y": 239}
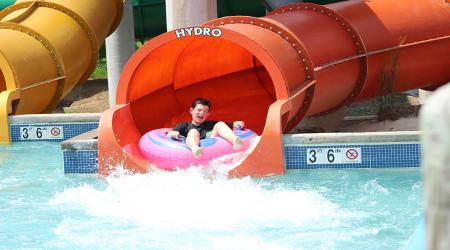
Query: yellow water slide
{"x": 46, "y": 48}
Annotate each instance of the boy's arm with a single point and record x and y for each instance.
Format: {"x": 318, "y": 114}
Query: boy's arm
{"x": 175, "y": 132}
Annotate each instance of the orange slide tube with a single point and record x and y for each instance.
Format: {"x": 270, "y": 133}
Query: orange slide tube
{"x": 46, "y": 48}
{"x": 300, "y": 60}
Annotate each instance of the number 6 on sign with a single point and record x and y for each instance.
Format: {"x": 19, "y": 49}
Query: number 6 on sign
{"x": 333, "y": 155}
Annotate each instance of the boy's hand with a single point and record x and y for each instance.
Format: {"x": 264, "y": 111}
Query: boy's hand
{"x": 174, "y": 134}
{"x": 238, "y": 124}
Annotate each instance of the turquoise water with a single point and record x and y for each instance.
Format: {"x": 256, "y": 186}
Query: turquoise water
{"x": 42, "y": 208}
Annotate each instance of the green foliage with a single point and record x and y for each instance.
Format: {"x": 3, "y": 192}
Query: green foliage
{"x": 100, "y": 71}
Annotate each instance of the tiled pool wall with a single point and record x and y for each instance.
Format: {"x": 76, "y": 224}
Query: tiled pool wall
{"x": 52, "y": 127}
{"x": 405, "y": 155}
{"x": 66, "y": 130}
{"x": 302, "y": 151}
{"x": 79, "y": 159}
{"x": 388, "y": 155}
{"x": 353, "y": 150}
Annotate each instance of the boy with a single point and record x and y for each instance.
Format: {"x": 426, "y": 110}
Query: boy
{"x": 200, "y": 128}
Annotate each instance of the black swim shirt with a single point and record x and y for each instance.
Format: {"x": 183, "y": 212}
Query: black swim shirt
{"x": 203, "y": 128}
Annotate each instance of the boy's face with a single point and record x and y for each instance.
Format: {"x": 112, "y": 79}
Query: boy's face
{"x": 199, "y": 114}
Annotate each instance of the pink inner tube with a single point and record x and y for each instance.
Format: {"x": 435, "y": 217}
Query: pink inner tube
{"x": 169, "y": 154}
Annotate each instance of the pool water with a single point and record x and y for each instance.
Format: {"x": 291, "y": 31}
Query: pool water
{"x": 41, "y": 207}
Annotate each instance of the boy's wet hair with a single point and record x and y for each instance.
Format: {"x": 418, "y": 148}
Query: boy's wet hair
{"x": 201, "y": 101}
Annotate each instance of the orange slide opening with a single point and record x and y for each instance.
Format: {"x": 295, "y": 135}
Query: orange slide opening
{"x": 162, "y": 79}
{"x": 168, "y": 78}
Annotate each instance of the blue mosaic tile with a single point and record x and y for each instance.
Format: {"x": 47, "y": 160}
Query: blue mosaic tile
{"x": 373, "y": 156}
{"x": 81, "y": 162}
{"x": 69, "y": 130}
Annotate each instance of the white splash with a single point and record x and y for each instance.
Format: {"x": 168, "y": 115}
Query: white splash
{"x": 374, "y": 186}
{"x": 200, "y": 204}
{"x": 194, "y": 199}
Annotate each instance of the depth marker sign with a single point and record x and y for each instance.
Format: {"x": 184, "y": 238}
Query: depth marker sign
{"x": 333, "y": 155}
{"x": 41, "y": 132}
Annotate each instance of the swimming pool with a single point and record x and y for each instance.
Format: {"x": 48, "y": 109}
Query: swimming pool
{"x": 41, "y": 207}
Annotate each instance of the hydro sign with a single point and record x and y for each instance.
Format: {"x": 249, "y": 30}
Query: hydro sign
{"x": 198, "y": 31}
